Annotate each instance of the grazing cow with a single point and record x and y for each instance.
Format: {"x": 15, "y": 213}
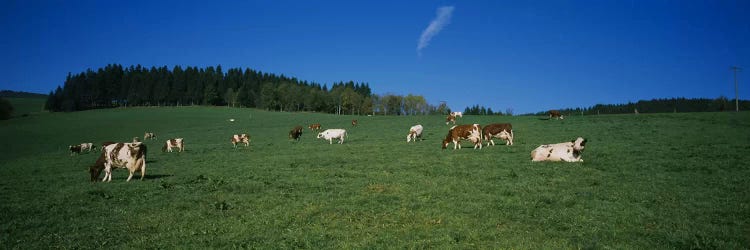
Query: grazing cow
{"x": 87, "y": 146}
{"x": 496, "y": 130}
{"x": 314, "y": 126}
{"x": 555, "y": 114}
{"x": 566, "y": 151}
{"x": 173, "y": 143}
{"x": 74, "y": 149}
{"x": 296, "y": 133}
{"x": 354, "y": 123}
{"x": 242, "y": 138}
{"x": 330, "y": 134}
{"x": 450, "y": 118}
{"x": 120, "y": 155}
{"x": 414, "y": 133}
{"x": 457, "y": 114}
{"x": 149, "y": 135}
{"x": 463, "y": 132}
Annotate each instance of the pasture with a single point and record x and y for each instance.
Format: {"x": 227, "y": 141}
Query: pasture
{"x": 649, "y": 181}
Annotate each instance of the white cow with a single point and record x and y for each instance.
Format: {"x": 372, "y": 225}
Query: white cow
{"x": 566, "y": 151}
{"x": 457, "y": 114}
{"x": 88, "y": 146}
{"x": 334, "y": 133}
{"x": 173, "y": 143}
{"x": 414, "y": 133}
{"x": 121, "y": 155}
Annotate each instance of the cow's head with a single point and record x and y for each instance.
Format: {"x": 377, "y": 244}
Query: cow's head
{"x": 579, "y": 143}
{"x": 445, "y": 143}
{"x": 320, "y": 135}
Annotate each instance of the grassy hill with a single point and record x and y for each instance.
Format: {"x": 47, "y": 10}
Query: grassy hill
{"x": 648, "y": 182}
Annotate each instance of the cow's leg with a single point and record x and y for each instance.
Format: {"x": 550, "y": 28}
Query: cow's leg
{"x": 143, "y": 169}
{"x": 107, "y": 172}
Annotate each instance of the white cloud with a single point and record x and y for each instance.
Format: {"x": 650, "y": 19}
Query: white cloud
{"x": 442, "y": 19}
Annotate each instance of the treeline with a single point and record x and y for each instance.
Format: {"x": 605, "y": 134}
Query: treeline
{"x": 115, "y": 86}
{"x": 481, "y": 110}
{"x": 660, "y": 106}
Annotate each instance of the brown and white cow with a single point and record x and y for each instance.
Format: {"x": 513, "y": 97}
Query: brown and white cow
{"x": 149, "y": 135}
{"x": 173, "y": 143}
{"x": 241, "y": 138}
{"x": 330, "y": 134}
{"x": 120, "y": 155}
{"x": 414, "y": 133}
{"x": 314, "y": 126}
{"x": 470, "y": 132}
{"x": 355, "y": 123}
{"x": 450, "y": 118}
{"x": 296, "y": 133}
{"x": 555, "y": 114}
{"x": 566, "y": 151}
{"x": 496, "y": 130}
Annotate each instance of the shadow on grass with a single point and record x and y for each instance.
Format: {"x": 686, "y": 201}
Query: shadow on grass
{"x": 156, "y": 176}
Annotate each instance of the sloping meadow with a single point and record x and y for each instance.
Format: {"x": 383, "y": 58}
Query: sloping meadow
{"x": 647, "y": 181}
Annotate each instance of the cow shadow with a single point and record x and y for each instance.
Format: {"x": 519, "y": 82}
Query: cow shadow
{"x": 156, "y": 176}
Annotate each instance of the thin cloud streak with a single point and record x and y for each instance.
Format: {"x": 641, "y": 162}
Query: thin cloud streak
{"x": 436, "y": 25}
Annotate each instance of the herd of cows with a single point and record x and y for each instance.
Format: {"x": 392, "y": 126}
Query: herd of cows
{"x": 132, "y": 156}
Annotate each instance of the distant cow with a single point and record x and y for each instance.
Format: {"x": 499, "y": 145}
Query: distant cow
{"x": 354, "y": 123}
{"x": 414, "y": 133}
{"x": 457, "y": 114}
{"x": 173, "y": 143}
{"x": 314, "y": 126}
{"x": 566, "y": 151}
{"x": 296, "y": 133}
{"x": 87, "y": 146}
{"x": 469, "y": 132}
{"x": 120, "y": 155}
{"x": 74, "y": 149}
{"x": 496, "y": 130}
{"x": 149, "y": 135}
{"x": 241, "y": 138}
{"x": 555, "y": 114}
{"x": 330, "y": 134}
{"x": 450, "y": 118}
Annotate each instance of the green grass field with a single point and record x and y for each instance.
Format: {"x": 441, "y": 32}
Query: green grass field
{"x": 649, "y": 181}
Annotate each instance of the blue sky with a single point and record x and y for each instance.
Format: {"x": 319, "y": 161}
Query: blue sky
{"x": 524, "y": 55}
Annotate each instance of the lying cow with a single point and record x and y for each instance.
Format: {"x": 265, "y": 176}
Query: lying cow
{"x": 335, "y": 133}
{"x": 468, "y": 132}
{"x": 414, "y": 133}
{"x": 555, "y": 114}
{"x": 314, "y": 126}
{"x": 149, "y": 135}
{"x": 120, "y": 155}
{"x": 355, "y": 123}
{"x": 296, "y": 133}
{"x": 496, "y": 130}
{"x": 566, "y": 151}
{"x": 173, "y": 143}
{"x": 242, "y": 138}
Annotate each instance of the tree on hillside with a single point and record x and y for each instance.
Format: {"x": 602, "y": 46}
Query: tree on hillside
{"x": 6, "y": 109}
